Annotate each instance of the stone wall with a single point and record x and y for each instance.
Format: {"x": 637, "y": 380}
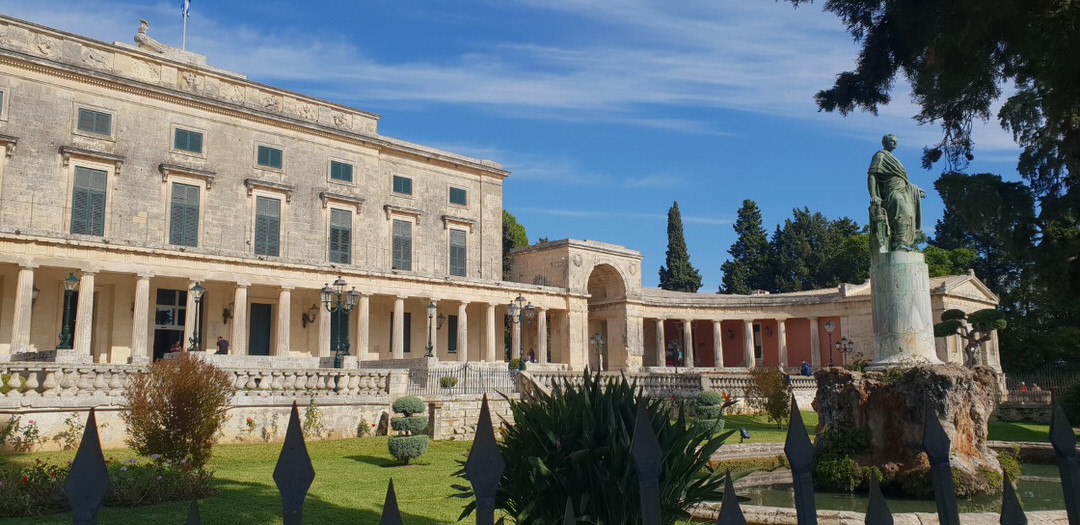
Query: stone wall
{"x": 455, "y": 418}
{"x": 1023, "y": 413}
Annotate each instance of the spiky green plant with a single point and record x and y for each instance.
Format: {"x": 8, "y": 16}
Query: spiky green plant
{"x": 575, "y": 443}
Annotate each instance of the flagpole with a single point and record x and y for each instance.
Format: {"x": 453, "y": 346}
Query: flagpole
{"x": 183, "y": 36}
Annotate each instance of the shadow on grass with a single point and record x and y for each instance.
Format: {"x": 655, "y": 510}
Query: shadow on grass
{"x": 377, "y": 461}
{"x": 1005, "y": 431}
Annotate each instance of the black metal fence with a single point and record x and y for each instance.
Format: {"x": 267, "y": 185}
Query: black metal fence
{"x": 464, "y": 379}
{"x": 88, "y": 482}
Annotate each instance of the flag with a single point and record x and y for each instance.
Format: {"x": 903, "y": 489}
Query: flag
{"x": 185, "y": 5}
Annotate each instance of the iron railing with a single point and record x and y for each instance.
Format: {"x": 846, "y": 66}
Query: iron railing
{"x": 464, "y": 379}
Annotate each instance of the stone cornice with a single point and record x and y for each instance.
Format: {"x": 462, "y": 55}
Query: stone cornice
{"x": 327, "y": 197}
{"x": 66, "y": 152}
{"x": 9, "y": 142}
{"x": 287, "y": 189}
{"x": 391, "y": 209}
{"x": 450, "y": 219}
{"x": 167, "y": 169}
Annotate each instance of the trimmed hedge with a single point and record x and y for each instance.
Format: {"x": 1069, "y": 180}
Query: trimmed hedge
{"x": 411, "y": 424}
{"x": 713, "y": 425}
{"x": 408, "y": 405}
{"x": 709, "y": 411}
{"x": 407, "y": 448}
{"x": 709, "y": 398}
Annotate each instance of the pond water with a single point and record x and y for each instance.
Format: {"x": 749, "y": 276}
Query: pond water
{"x": 1039, "y": 489}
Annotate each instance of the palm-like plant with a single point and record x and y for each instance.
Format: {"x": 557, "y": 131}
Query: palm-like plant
{"x": 575, "y": 444}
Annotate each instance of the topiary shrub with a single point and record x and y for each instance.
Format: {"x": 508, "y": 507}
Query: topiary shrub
{"x": 710, "y": 411}
{"x": 575, "y": 442}
{"x": 176, "y": 408}
{"x": 408, "y": 406}
{"x": 712, "y": 425}
{"x": 408, "y": 446}
{"x": 709, "y": 398}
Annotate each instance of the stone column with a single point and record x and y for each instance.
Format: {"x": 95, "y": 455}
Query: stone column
{"x": 718, "y": 344}
{"x": 516, "y": 326}
{"x": 325, "y": 328}
{"x": 489, "y": 333}
{"x": 748, "y": 344}
{"x": 541, "y": 335}
{"x": 238, "y": 345}
{"x": 140, "y": 347}
{"x": 463, "y": 332}
{"x": 84, "y": 316}
{"x": 903, "y": 319}
{"x": 24, "y": 304}
{"x": 398, "y": 350}
{"x": 781, "y": 337}
{"x": 688, "y": 342}
{"x": 363, "y": 327}
{"x": 284, "y": 313}
{"x": 815, "y": 344}
{"x": 661, "y": 350}
{"x": 189, "y": 317}
{"x": 432, "y": 329}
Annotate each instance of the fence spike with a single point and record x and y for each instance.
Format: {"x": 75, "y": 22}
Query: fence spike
{"x": 646, "y": 452}
{"x": 730, "y": 512}
{"x": 800, "y": 454}
{"x": 1011, "y": 512}
{"x": 937, "y": 444}
{"x": 484, "y": 467}
{"x": 1064, "y": 442}
{"x": 568, "y": 517}
{"x": 391, "y": 515}
{"x": 193, "y": 517}
{"x": 877, "y": 512}
{"x": 88, "y": 480}
{"x": 293, "y": 473}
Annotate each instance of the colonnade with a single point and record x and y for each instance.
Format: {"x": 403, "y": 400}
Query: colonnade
{"x": 808, "y": 341}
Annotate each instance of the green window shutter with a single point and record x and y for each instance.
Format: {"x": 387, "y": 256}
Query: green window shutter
{"x": 458, "y": 253}
{"x": 185, "y": 140}
{"x": 451, "y": 334}
{"x": 401, "y": 250}
{"x": 88, "y": 202}
{"x": 402, "y": 185}
{"x": 269, "y": 157}
{"x": 184, "y": 225}
{"x": 341, "y": 171}
{"x": 459, "y": 196}
{"x": 267, "y": 226}
{"x": 94, "y": 122}
{"x": 340, "y": 236}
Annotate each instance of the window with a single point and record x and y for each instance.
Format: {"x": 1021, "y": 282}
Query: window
{"x": 269, "y": 157}
{"x": 402, "y": 185}
{"x": 402, "y": 246}
{"x": 340, "y": 236}
{"x": 459, "y": 196}
{"x": 267, "y": 226}
{"x": 88, "y": 202}
{"x": 458, "y": 254}
{"x": 340, "y": 171}
{"x": 758, "y": 350}
{"x": 451, "y": 334}
{"x": 185, "y": 140}
{"x": 406, "y": 329}
{"x": 97, "y": 122}
{"x": 184, "y": 222}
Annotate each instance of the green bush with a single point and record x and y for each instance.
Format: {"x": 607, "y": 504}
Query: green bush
{"x": 770, "y": 391}
{"x": 408, "y": 405}
{"x": 709, "y": 411}
{"x": 411, "y": 424}
{"x": 837, "y": 474}
{"x": 575, "y": 442}
{"x": 1010, "y": 463}
{"x": 709, "y": 398}
{"x": 448, "y": 382}
{"x": 515, "y": 364}
{"x": 407, "y": 448}
{"x": 1070, "y": 403}
{"x": 176, "y": 408}
{"x": 712, "y": 425}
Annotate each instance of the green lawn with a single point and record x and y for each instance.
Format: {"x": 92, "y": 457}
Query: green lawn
{"x": 350, "y": 486}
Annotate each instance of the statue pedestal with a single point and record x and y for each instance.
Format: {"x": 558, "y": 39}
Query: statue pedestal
{"x": 900, "y": 305}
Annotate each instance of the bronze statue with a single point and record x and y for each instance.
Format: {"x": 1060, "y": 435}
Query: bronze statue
{"x": 895, "y": 210}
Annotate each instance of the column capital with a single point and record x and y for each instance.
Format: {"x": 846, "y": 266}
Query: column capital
{"x": 27, "y": 264}
{"x": 812, "y": 317}
{"x": 242, "y": 284}
{"x": 88, "y": 271}
{"x": 287, "y": 288}
{"x": 464, "y": 303}
{"x": 144, "y": 275}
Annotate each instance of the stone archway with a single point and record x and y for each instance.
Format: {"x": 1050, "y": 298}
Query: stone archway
{"x": 607, "y": 318}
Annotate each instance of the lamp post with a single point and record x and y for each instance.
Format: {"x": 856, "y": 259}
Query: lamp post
{"x": 70, "y": 285}
{"x": 829, "y": 327}
{"x": 520, "y": 312}
{"x": 196, "y": 294}
{"x": 598, "y": 341}
{"x": 845, "y": 346}
{"x": 430, "y": 322}
{"x": 339, "y": 302}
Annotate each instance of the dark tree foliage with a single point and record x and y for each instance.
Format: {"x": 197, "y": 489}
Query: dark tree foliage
{"x": 748, "y": 268}
{"x": 941, "y": 262}
{"x": 678, "y": 274}
{"x": 513, "y": 236}
{"x": 809, "y": 251}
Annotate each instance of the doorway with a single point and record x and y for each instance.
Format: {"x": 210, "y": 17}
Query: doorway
{"x": 259, "y": 330}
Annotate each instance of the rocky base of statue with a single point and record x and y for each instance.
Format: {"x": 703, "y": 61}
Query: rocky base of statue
{"x": 900, "y": 306}
{"x": 872, "y": 424}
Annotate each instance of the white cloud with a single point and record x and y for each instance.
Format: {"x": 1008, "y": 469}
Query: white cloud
{"x": 619, "y": 215}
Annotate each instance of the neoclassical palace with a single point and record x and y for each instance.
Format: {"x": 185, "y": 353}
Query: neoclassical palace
{"x": 131, "y": 174}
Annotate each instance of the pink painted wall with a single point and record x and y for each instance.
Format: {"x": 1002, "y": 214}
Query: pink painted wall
{"x": 770, "y": 344}
{"x": 703, "y": 350}
{"x": 798, "y": 341}
{"x": 733, "y": 349}
{"x": 825, "y": 340}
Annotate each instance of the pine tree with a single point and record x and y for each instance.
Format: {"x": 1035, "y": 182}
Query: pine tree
{"x": 678, "y": 274}
{"x": 513, "y": 236}
{"x": 748, "y": 268}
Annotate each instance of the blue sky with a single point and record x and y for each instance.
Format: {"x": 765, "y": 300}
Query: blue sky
{"x": 605, "y": 111}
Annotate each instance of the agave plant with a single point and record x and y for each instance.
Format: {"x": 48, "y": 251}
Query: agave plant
{"x": 575, "y": 443}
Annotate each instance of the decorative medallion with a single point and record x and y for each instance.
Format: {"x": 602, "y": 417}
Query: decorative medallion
{"x": 576, "y": 258}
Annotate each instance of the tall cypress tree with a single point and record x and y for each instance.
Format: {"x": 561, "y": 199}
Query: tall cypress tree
{"x": 678, "y": 274}
{"x": 748, "y": 268}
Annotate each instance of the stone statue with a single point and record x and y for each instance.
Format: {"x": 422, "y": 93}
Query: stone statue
{"x": 895, "y": 210}
{"x": 143, "y": 40}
